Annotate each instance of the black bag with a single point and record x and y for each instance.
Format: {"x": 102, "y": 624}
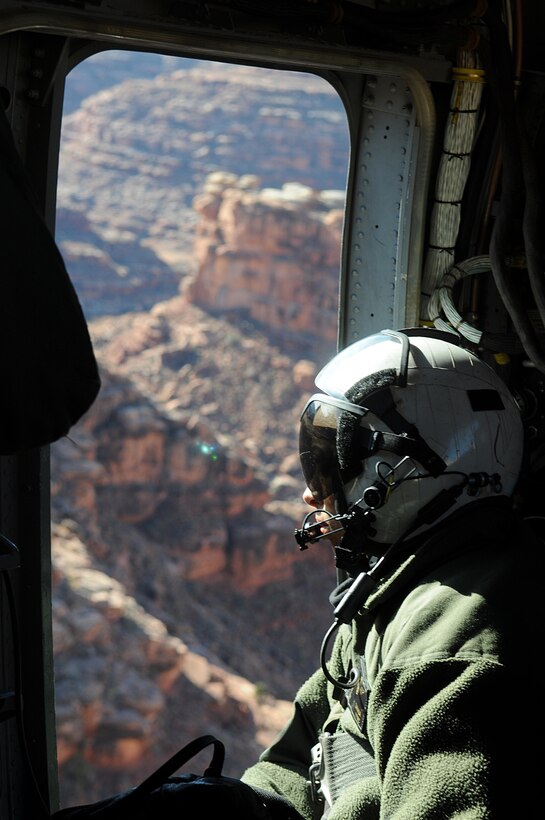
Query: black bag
{"x": 178, "y": 797}
{"x": 48, "y": 372}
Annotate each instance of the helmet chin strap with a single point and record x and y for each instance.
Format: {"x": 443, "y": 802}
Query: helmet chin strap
{"x": 353, "y": 552}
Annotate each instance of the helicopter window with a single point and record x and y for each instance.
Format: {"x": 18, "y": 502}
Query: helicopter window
{"x": 200, "y": 209}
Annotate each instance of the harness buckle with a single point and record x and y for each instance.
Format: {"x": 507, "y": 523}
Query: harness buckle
{"x": 314, "y": 771}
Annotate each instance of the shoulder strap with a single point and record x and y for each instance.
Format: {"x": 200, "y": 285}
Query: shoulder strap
{"x": 183, "y": 756}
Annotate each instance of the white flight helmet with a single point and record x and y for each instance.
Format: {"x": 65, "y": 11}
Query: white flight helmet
{"x": 403, "y": 416}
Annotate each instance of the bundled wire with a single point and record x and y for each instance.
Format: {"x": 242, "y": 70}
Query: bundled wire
{"x": 454, "y": 165}
{"x": 444, "y": 294}
{"x": 520, "y": 196}
{"x": 506, "y": 343}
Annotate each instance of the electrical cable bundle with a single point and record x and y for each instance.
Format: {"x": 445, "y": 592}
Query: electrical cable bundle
{"x": 443, "y": 294}
{"x": 521, "y": 202}
{"x": 452, "y": 175}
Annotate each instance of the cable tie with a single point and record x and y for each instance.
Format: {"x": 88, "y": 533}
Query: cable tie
{"x": 455, "y": 280}
{"x": 457, "y": 154}
{"x": 469, "y": 75}
{"x": 452, "y": 273}
{"x": 463, "y": 111}
{"x": 452, "y": 276}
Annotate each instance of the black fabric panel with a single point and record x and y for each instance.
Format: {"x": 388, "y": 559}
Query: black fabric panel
{"x": 48, "y": 372}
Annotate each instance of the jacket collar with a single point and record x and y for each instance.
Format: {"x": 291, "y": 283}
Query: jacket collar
{"x": 491, "y": 521}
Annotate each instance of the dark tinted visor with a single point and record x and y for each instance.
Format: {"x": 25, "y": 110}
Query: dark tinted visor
{"x": 318, "y": 444}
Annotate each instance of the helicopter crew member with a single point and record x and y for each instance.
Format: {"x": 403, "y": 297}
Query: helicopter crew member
{"x": 427, "y": 689}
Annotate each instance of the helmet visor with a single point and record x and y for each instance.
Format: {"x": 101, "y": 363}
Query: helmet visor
{"x": 321, "y": 421}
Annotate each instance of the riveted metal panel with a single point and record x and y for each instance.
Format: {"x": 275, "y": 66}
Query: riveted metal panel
{"x": 376, "y": 275}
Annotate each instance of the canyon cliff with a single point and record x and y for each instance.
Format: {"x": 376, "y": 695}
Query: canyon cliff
{"x": 182, "y": 604}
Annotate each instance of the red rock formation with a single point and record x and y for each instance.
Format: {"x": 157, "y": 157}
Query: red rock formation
{"x": 273, "y": 254}
{"x": 118, "y": 692}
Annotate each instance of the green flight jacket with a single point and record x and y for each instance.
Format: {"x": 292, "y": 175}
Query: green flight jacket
{"x": 450, "y": 644}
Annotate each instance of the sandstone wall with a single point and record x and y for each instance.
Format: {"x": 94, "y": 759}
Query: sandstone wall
{"x": 271, "y": 253}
